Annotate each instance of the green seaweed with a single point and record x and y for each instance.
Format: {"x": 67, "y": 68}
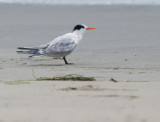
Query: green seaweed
{"x": 18, "y": 82}
{"x": 70, "y": 77}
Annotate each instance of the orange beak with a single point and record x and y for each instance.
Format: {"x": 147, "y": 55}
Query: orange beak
{"x": 90, "y": 28}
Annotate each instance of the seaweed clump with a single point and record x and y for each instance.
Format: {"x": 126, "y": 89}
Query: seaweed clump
{"x": 71, "y": 77}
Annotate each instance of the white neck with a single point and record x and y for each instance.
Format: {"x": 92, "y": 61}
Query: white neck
{"x": 79, "y": 34}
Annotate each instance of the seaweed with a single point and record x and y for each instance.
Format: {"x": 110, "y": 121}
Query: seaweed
{"x": 70, "y": 77}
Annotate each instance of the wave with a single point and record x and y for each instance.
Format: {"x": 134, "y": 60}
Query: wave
{"x": 84, "y": 2}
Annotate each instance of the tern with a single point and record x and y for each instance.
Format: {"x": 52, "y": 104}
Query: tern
{"x": 60, "y": 46}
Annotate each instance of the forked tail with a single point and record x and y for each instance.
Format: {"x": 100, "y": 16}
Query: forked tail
{"x": 27, "y": 50}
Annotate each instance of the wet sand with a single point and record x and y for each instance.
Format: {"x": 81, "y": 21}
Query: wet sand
{"x": 125, "y": 46}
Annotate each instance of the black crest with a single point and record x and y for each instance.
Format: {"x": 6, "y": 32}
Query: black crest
{"x": 78, "y": 27}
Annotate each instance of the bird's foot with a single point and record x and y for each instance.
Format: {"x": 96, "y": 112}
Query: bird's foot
{"x": 64, "y": 58}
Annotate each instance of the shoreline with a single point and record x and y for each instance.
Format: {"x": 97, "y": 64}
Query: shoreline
{"x": 81, "y": 5}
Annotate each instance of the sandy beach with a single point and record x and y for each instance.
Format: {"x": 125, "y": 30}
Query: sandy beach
{"x": 124, "y": 47}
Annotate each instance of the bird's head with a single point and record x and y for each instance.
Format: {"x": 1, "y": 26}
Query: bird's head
{"x": 81, "y": 28}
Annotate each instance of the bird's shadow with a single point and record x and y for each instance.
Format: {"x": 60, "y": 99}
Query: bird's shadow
{"x": 48, "y": 65}
{"x": 51, "y": 65}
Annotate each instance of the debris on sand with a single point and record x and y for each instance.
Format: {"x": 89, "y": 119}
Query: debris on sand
{"x": 113, "y": 80}
{"x": 83, "y": 88}
{"x": 69, "y": 89}
{"x": 116, "y": 68}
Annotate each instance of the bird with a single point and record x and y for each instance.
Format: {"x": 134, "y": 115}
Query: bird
{"x": 60, "y": 47}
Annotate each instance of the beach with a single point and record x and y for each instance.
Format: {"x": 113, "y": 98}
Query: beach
{"x": 122, "y": 54}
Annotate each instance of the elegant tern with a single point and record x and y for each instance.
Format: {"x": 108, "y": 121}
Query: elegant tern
{"x": 60, "y": 46}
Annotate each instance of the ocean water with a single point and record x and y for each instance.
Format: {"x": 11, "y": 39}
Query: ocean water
{"x": 85, "y": 2}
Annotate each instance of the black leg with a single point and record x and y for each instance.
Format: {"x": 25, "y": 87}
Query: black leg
{"x": 64, "y": 58}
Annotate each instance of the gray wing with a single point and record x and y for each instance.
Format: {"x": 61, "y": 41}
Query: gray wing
{"x": 61, "y": 47}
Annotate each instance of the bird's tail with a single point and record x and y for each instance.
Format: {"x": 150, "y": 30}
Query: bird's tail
{"x": 28, "y": 50}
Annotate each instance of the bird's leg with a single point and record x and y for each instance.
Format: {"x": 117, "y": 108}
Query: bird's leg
{"x": 64, "y": 58}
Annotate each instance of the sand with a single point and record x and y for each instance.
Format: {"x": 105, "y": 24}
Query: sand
{"x": 125, "y": 46}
